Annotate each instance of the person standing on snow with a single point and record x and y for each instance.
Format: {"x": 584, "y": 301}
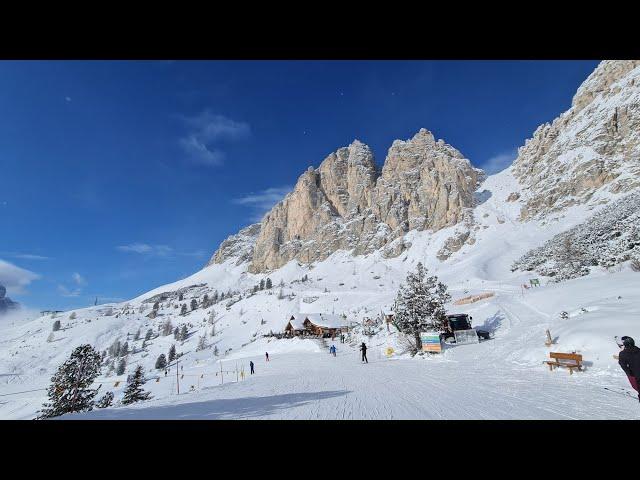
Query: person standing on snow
{"x": 267, "y": 355}
{"x": 333, "y": 350}
{"x": 251, "y": 366}
{"x": 629, "y": 360}
{"x": 363, "y": 349}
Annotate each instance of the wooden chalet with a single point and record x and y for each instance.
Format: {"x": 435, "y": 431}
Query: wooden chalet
{"x": 316, "y": 325}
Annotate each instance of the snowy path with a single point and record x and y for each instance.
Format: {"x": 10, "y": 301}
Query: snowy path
{"x": 319, "y": 386}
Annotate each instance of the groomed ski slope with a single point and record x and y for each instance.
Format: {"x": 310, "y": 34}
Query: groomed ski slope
{"x": 502, "y": 378}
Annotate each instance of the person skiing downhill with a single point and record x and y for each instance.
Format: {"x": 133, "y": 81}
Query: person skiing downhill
{"x": 332, "y": 350}
{"x": 251, "y": 366}
{"x": 363, "y": 349}
{"x": 267, "y": 355}
{"x": 629, "y": 360}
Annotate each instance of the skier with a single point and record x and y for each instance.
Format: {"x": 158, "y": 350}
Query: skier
{"x": 333, "y": 350}
{"x": 251, "y": 366}
{"x": 629, "y": 360}
{"x": 267, "y": 355}
{"x": 363, "y": 349}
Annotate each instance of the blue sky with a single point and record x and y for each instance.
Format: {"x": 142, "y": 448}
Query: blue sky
{"x": 117, "y": 177}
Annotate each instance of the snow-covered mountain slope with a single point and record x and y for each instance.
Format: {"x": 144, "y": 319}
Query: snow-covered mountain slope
{"x": 472, "y": 254}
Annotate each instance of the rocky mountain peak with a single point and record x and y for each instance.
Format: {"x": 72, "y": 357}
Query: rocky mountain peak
{"x": 591, "y": 151}
{"x": 347, "y": 203}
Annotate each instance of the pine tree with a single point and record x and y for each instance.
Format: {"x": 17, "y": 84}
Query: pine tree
{"x": 180, "y": 297}
{"x": 134, "y": 392}
{"x": 161, "y": 362}
{"x": 122, "y": 365}
{"x": 144, "y": 344}
{"x": 215, "y": 296}
{"x": 205, "y": 301}
{"x": 420, "y": 304}
{"x": 194, "y": 304}
{"x": 156, "y": 306}
{"x": 56, "y": 325}
{"x": 183, "y": 310}
{"x": 124, "y": 351}
{"x": 268, "y": 285}
{"x": 167, "y": 327}
{"x": 137, "y": 335}
{"x": 184, "y": 333}
{"x": 262, "y": 284}
{"x": 105, "y": 401}
{"x": 176, "y": 334}
{"x": 148, "y": 335}
{"x": 69, "y": 390}
{"x": 202, "y": 343}
{"x": 215, "y": 350}
{"x": 114, "y": 349}
{"x": 172, "y": 353}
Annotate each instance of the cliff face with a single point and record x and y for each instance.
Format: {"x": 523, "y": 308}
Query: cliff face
{"x": 591, "y": 150}
{"x": 346, "y": 204}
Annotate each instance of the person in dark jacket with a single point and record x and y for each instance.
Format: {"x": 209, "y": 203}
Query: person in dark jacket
{"x": 251, "y": 366}
{"x": 629, "y": 360}
{"x": 267, "y": 355}
{"x": 363, "y": 349}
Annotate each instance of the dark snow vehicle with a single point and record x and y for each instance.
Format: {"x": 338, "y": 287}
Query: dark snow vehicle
{"x": 461, "y": 321}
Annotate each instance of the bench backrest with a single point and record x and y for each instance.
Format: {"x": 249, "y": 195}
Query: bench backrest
{"x": 566, "y": 356}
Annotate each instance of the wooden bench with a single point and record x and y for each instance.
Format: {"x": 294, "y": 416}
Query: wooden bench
{"x": 568, "y": 360}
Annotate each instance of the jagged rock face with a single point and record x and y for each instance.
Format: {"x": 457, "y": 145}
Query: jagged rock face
{"x": 346, "y": 204}
{"x": 238, "y": 246}
{"x": 593, "y": 147}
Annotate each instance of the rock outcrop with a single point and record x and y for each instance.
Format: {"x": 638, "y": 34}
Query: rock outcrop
{"x": 593, "y": 147}
{"x": 238, "y": 246}
{"x": 347, "y": 204}
{"x": 5, "y": 302}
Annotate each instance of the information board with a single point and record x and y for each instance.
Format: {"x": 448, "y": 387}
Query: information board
{"x": 431, "y": 342}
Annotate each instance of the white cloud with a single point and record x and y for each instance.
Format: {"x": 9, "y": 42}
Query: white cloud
{"x": 14, "y": 278}
{"x": 28, "y": 256}
{"x": 261, "y": 202}
{"x": 80, "y": 281}
{"x": 146, "y": 249}
{"x": 66, "y": 292}
{"x": 499, "y": 162}
{"x": 207, "y": 130}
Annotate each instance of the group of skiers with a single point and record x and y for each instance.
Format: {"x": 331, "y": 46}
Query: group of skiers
{"x": 629, "y": 360}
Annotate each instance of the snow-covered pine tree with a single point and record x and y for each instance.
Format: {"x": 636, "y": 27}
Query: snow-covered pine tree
{"x": 70, "y": 386}
{"x": 137, "y": 335}
{"x": 180, "y": 297}
{"x": 202, "y": 343}
{"x": 156, "y": 306}
{"x": 161, "y": 362}
{"x": 134, "y": 392}
{"x": 420, "y": 304}
{"x": 167, "y": 327}
{"x": 183, "y": 309}
{"x": 172, "y": 353}
{"x": 194, "y": 304}
{"x": 122, "y": 365}
{"x": 268, "y": 284}
{"x": 148, "y": 335}
{"x": 176, "y": 334}
{"x": 124, "y": 351}
{"x": 56, "y": 325}
{"x": 262, "y": 284}
{"x": 184, "y": 333}
{"x": 105, "y": 401}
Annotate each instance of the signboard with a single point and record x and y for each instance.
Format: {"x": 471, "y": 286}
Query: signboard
{"x": 464, "y": 337}
{"x": 431, "y": 342}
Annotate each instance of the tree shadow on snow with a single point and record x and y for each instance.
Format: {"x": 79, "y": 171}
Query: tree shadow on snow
{"x": 492, "y": 323}
{"x": 227, "y": 409}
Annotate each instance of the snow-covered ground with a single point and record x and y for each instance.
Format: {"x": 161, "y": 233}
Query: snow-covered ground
{"x": 500, "y": 378}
